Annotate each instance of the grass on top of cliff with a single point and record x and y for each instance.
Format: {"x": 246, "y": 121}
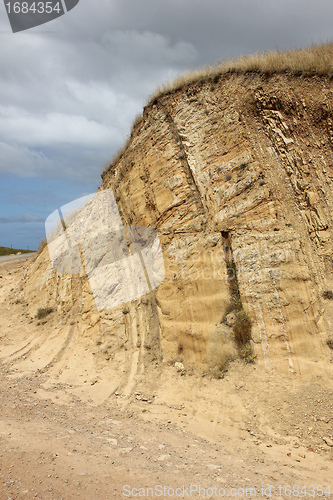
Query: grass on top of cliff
{"x": 316, "y": 59}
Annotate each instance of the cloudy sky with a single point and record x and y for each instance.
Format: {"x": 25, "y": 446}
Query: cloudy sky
{"x": 70, "y": 89}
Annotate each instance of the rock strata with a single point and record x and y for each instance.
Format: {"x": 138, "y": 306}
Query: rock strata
{"x": 236, "y": 170}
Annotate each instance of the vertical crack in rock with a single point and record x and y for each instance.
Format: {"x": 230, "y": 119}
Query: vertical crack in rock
{"x": 241, "y": 323}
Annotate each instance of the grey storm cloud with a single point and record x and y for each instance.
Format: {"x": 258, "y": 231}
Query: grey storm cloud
{"x": 71, "y": 88}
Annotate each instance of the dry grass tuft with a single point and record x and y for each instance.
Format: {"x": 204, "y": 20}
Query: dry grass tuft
{"x": 116, "y": 158}
{"x": 42, "y": 245}
{"x": 316, "y": 59}
{"x": 137, "y": 121}
{"x": 221, "y": 349}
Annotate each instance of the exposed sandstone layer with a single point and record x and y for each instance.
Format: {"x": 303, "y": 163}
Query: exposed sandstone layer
{"x": 242, "y": 164}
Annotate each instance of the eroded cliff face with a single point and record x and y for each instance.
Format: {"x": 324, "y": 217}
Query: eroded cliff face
{"x": 238, "y": 170}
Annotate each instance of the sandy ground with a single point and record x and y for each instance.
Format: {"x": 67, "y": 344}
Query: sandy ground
{"x": 252, "y": 433}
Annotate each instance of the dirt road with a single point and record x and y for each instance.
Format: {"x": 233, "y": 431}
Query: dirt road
{"x": 7, "y": 258}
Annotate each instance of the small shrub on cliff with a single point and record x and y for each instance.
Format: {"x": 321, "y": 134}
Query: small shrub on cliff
{"x": 246, "y": 353}
{"x": 242, "y": 328}
{"x": 43, "y": 312}
{"x": 328, "y": 294}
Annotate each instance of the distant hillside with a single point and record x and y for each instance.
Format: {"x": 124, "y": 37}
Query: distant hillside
{"x": 11, "y": 251}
